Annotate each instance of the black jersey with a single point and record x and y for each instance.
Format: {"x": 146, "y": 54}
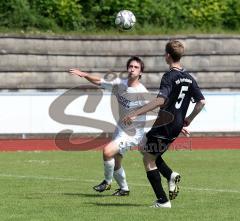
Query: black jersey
{"x": 178, "y": 87}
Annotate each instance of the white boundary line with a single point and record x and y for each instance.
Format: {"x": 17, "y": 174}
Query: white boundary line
{"x": 37, "y": 177}
{"x": 95, "y": 181}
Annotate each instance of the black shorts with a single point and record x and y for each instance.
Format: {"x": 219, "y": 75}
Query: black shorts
{"x": 156, "y": 144}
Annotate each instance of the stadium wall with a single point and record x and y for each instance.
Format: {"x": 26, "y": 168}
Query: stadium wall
{"x": 27, "y": 124}
{"x": 33, "y": 73}
{"x": 29, "y": 113}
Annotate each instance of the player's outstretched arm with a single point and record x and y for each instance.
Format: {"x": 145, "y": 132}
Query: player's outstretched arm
{"x": 197, "y": 109}
{"x": 91, "y": 78}
{"x": 157, "y": 102}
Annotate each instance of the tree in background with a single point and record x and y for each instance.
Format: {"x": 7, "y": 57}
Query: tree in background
{"x": 82, "y": 15}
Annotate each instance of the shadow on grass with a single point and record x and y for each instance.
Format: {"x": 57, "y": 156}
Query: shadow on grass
{"x": 86, "y": 194}
{"x": 116, "y": 204}
{"x": 59, "y": 194}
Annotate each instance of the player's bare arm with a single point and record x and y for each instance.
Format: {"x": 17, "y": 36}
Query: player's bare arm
{"x": 91, "y": 78}
{"x": 185, "y": 132}
{"x": 157, "y": 102}
{"x": 197, "y": 109}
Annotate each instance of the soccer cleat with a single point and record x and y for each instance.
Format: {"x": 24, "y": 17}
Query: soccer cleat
{"x": 120, "y": 192}
{"x": 173, "y": 185}
{"x": 161, "y": 205}
{"x": 102, "y": 186}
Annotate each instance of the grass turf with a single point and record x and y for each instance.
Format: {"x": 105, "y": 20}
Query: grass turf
{"x": 58, "y": 186}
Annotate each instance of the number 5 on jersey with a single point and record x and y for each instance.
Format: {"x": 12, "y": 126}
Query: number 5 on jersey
{"x": 181, "y": 96}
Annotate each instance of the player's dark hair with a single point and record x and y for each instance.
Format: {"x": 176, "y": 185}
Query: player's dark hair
{"x": 175, "y": 49}
{"x": 138, "y": 60}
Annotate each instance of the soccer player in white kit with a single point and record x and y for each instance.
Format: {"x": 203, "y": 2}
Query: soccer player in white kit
{"x": 130, "y": 96}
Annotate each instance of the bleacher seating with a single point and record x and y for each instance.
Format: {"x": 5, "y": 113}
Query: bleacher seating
{"x": 41, "y": 62}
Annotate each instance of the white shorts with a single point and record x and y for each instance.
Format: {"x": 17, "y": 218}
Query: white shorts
{"x": 126, "y": 142}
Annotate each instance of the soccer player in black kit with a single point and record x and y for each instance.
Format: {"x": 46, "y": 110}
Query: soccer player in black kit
{"x": 177, "y": 89}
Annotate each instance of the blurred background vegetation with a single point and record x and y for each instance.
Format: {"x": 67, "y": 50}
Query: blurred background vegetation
{"x": 97, "y": 16}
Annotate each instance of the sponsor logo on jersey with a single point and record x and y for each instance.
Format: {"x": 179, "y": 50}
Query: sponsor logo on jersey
{"x": 123, "y": 101}
{"x": 181, "y": 80}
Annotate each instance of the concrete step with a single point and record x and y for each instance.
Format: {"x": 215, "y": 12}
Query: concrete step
{"x": 13, "y": 62}
{"x": 54, "y": 80}
{"x": 112, "y": 46}
{"x": 43, "y": 61}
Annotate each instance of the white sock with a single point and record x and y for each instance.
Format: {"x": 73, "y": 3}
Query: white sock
{"x": 108, "y": 170}
{"x": 120, "y": 177}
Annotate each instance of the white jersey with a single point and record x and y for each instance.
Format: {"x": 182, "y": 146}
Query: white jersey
{"x": 129, "y": 99}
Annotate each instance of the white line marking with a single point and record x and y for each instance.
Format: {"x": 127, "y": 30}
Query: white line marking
{"x": 95, "y": 181}
{"x": 38, "y": 177}
{"x": 211, "y": 190}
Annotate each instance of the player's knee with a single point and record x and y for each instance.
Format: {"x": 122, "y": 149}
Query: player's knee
{"x": 107, "y": 153}
{"x": 149, "y": 163}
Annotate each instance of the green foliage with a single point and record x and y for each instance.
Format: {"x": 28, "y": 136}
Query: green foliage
{"x": 16, "y": 13}
{"x": 207, "y": 13}
{"x": 66, "y": 13}
{"x": 82, "y": 15}
{"x": 232, "y": 15}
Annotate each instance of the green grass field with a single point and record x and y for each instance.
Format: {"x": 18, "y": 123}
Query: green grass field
{"x": 58, "y": 186}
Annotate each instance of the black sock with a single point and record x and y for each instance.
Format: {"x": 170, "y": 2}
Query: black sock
{"x": 163, "y": 168}
{"x": 155, "y": 180}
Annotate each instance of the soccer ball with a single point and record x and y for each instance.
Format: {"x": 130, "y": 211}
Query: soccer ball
{"x": 125, "y": 19}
